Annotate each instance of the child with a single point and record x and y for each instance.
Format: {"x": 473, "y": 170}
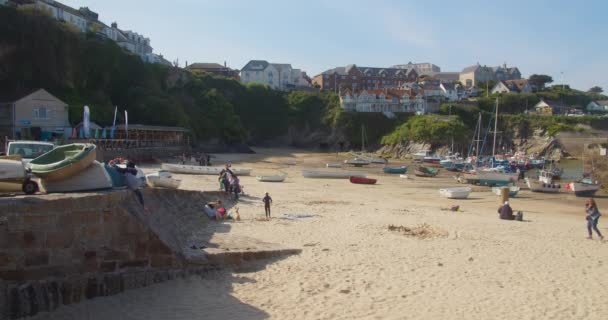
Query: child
{"x": 267, "y": 200}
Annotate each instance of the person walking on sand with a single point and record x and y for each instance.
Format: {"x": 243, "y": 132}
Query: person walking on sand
{"x": 267, "y": 201}
{"x": 593, "y": 217}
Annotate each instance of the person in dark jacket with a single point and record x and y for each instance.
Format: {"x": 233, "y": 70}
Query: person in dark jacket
{"x": 130, "y": 175}
{"x": 593, "y": 217}
{"x": 505, "y": 212}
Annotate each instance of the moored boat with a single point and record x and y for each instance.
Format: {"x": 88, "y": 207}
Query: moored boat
{"x": 334, "y": 165}
{"x": 513, "y": 190}
{"x": 94, "y": 177}
{"x": 360, "y": 180}
{"x": 542, "y": 185}
{"x": 162, "y": 179}
{"x": 272, "y": 178}
{"x": 63, "y": 161}
{"x": 189, "y": 169}
{"x": 496, "y": 177}
{"x": 331, "y": 174}
{"x": 402, "y": 169}
{"x": 357, "y": 162}
{"x": 432, "y": 159}
{"x": 421, "y": 171}
{"x": 455, "y": 193}
{"x": 584, "y": 187}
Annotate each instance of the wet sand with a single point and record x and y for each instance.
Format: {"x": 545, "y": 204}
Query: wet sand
{"x": 470, "y": 266}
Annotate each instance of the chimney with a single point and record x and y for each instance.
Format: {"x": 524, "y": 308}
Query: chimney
{"x": 224, "y": 63}
{"x": 114, "y": 25}
{"x": 504, "y": 66}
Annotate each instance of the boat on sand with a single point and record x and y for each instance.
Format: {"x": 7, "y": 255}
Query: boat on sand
{"x": 334, "y": 165}
{"x": 398, "y": 170}
{"x": 513, "y": 190}
{"x": 272, "y": 178}
{"x": 331, "y": 174}
{"x": 584, "y": 187}
{"x": 63, "y": 161}
{"x": 421, "y": 171}
{"x": 455, "y": 193}
{"x": 190, "y": 169}
{"x": 162, "y": 179}
{"x": 359, "y": 180}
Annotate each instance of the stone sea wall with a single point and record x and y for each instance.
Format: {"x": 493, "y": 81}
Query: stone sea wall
{"x": 60, "y": 249}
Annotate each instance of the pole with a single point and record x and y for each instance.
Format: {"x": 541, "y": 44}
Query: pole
{"x": 495, "y": 128}
{"x": 478, "y": 139}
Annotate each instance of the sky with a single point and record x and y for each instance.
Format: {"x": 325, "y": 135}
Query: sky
{"x": 564, "y": 39}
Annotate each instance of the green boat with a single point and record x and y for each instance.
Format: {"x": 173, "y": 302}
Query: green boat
{"x": 64, "y": 161}
{"x": 422, "y": 171}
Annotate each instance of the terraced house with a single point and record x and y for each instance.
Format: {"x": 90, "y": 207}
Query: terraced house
{"x": 382, "y": 100}
{"x": 280, "y": 76}
{"x": 364, "y": 78}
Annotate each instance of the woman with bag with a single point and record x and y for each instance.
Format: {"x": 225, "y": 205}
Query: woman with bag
{"x": 593, "y": 217}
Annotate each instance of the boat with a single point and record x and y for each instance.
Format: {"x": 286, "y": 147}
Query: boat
{"x": 402, "y": 169}
{"x": 63, "y": 161}
{"x": 556, "y": 173}
{"x": 357, "y": 162}
{"x": 452, "y": 163}
{"x": 369, "y": 158}
{"x": 455, "y": 193}
{"x": 543, "y": 183}
{"x": 272, "y": 178}
{"x": 496, "y": 177}
{"x": 94, "y": 177}
{"x": 15, "y": 178}
{"x": 584, "y": 187}
{"x": 331, "y": 174}
{"x": 434, "y": 159}
{"x": 421, "y": 171}
{"x": 404, "y": 176}
{"x": 360, "y": 180}
{"x": 420, "y": 154}
{"x": 162, "y": 179}
{"x": 513, "y": 190}
{"x": 334, "y": 165}
{"x": 189, "y": 169}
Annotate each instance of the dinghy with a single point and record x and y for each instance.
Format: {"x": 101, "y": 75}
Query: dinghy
{"x": 334, "y": 165}
{"x": 359, "y": 180}
{"x": 189, "y": 169}
{"x": 513, "y": 190}
{"x": 331, "y": 174}
{"x": 455, "y": 193}
{"x": 584, "y": 187}
{"x": 402, "y": 169}
{"x": 421, "y": 171}
{"x": 63, "y": 161}
{"x": 162, "y": 179}
{"x": 94, "y": 177}
{"x": 272, "y": 178}
{"x": 357, "y": 162}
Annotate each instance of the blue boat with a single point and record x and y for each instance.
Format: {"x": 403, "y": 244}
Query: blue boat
{"x": 402, "y": 169}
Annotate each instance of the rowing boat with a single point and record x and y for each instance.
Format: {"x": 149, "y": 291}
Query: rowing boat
{"x": 189, "y": 169}
{"x": 360, "y": 180}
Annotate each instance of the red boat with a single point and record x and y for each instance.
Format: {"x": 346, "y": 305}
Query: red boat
{"x": 359, "y": 180}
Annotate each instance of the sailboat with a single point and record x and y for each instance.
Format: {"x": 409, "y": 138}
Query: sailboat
{"x": 496, "y": 176}
{"x": 359, "y": 159}
{"x": 584, "y": 187}
{"x": 453, "y": 161}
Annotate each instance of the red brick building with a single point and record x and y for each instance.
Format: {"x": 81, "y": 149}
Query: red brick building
{"x": 364, "y": 78}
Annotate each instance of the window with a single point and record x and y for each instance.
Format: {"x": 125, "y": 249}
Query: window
{"x": 40, "y": 113}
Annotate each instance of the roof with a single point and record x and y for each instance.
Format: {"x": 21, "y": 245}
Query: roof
{"x": 255, "y": 65}
{"x": 281, "y": 66}
{"x": 471, "y": 68}
{"x": 152, "y": 128}
{"x": 16, "y": 96}
{"x": 602, "y": 102}
{"x": 370, "y": 71}
{"x": 205, "y": 65}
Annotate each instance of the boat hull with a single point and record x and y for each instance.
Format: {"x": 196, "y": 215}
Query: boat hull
{"x": 95, "y": 177}
{"x": 496, "y": 178}
{"x": 188, "y": 169}
{"x": 359, "y": 180}
{"x": 162, "y": 179}
{"x": 584, "y": 189}
{"x": 334, "y": 165}
{"x": 538, "y": 186}
{"x": 395, "y": 170}
{"x": 513, "y": 191}
{"x": 331, "y": 174}
{"x": 455, "y": 193}
{"x": 273, "y": 178}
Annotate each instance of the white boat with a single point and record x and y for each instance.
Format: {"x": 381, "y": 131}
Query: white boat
{"x": 420, "y": 154}
{"x": 584, "y": 187}
{"x": 331, "y": 174}
{"x": 541, "y": 185}
{"x": 357, "y": 162}
{"x": 455, "y": 193}
{"x": 334, "y": 165}
{"x": 272, "y": 178}
{"x": 12, "y": 175}
{"x": 162, "y": 179}
{"x": 371, "y": 159}
{"x": 94, "y": 177}
{"x": 513, "y": 190}
{"x": 404, "y": 176}
{"x": 189, "y": 169}
{"x": 496, "y": 176}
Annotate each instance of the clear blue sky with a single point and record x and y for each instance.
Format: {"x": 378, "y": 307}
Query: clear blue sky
{"x": 538, "y": 36}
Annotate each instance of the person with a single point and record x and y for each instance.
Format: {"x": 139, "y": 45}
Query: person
{"x": 208, "y": 157}
{"x": 212, "y": 210}
{"x": 130, "y": 175}
{"x": 593, "y": 217}
{"x": 225, "y": 177}
{"x": 267, "y": 201}
{"x": 236, "y": 186}
{"x": 505, "y": 211}
{"x": 184, "y": 158}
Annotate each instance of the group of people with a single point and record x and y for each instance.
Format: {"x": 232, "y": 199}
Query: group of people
{"x": 203, "y": 159}
{"x": 229, "y": 182}
{"x": 592, "y": 215}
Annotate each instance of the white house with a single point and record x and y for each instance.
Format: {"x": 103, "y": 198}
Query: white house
{"x": 600, "y": 105}
{"x": 450, "y": 91}
{"x": 63, "y": 13}
{"x": 512, "y": 86}
{"x": 279, "y": 76}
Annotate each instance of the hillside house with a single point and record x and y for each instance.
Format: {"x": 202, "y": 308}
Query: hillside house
{"x": 512, "y": 86}
{"x": 598, "y": 106}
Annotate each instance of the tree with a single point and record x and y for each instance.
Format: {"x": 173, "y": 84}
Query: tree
{"x": 538, "y": 81}
{"x": 596, "y": 89}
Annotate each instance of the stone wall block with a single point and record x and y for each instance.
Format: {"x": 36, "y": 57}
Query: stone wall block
{"x": 59, "y": 239}
{"x": 40, "y": 222}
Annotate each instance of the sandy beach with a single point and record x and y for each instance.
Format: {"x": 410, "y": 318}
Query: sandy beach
{"x": 470, "y": 264}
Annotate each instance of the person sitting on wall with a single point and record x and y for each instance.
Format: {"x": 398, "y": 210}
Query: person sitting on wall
{"x": 505, "y": 212}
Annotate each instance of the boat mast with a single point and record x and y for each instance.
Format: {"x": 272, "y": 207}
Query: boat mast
{"x": 495, "y": 129}
{"x": 452, "y": 133}
{"x": 478, "y": 138}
